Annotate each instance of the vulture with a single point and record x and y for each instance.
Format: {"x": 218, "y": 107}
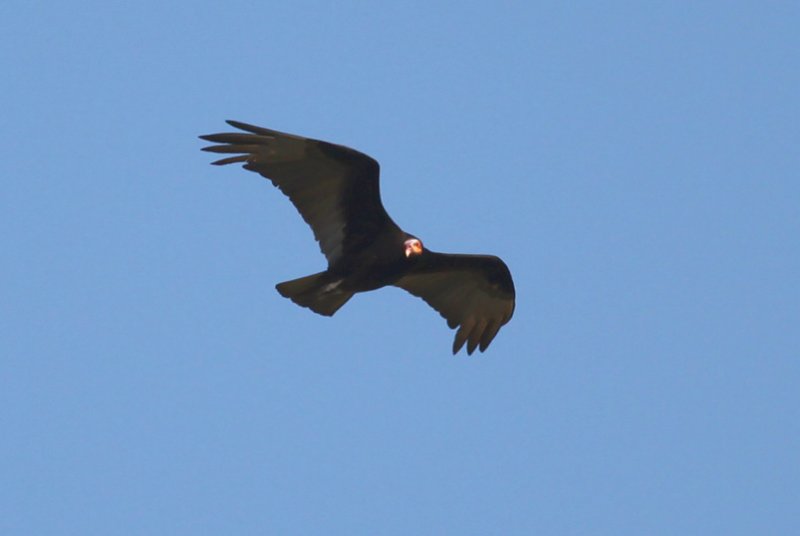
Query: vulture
{"x": 336, "y": 190}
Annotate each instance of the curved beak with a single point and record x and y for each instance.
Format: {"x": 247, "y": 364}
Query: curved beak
{"x": 413, "y": 247}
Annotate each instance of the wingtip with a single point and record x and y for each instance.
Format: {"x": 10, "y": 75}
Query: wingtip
{"x": 231, "y": 160}
{"x": 253, "y": 129}
{"x": 468, "y": 349}
{"x": 243, "y": 126}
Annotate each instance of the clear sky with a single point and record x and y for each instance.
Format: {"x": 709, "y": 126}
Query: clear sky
{"x": 636, "y": 164}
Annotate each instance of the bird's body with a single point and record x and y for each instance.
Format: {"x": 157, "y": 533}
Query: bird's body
{"x": 336, "y": 190}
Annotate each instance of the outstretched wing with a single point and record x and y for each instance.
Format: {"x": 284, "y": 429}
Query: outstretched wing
{"x": 334, "y": 188}
{"x": 475, "y": 292}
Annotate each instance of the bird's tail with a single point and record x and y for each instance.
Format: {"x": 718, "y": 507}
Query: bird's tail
{"x": 319, "y": 292}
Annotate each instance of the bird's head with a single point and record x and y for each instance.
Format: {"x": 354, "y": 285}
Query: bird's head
{"x": 413, "y": 246}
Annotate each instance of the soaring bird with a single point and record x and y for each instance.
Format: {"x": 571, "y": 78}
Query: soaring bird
{"x": 336, "y": 190}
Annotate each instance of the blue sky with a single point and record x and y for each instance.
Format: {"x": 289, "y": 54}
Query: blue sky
{"x": 635, "y": 164}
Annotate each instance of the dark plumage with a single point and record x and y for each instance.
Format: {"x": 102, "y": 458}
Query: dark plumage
{"x": 336, "y": 191}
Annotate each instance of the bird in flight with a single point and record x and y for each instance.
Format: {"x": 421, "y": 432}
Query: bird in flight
{"x": 336, "y": 191}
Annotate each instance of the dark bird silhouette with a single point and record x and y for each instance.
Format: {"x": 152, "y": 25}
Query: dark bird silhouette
{"x": 337, "y": 193}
